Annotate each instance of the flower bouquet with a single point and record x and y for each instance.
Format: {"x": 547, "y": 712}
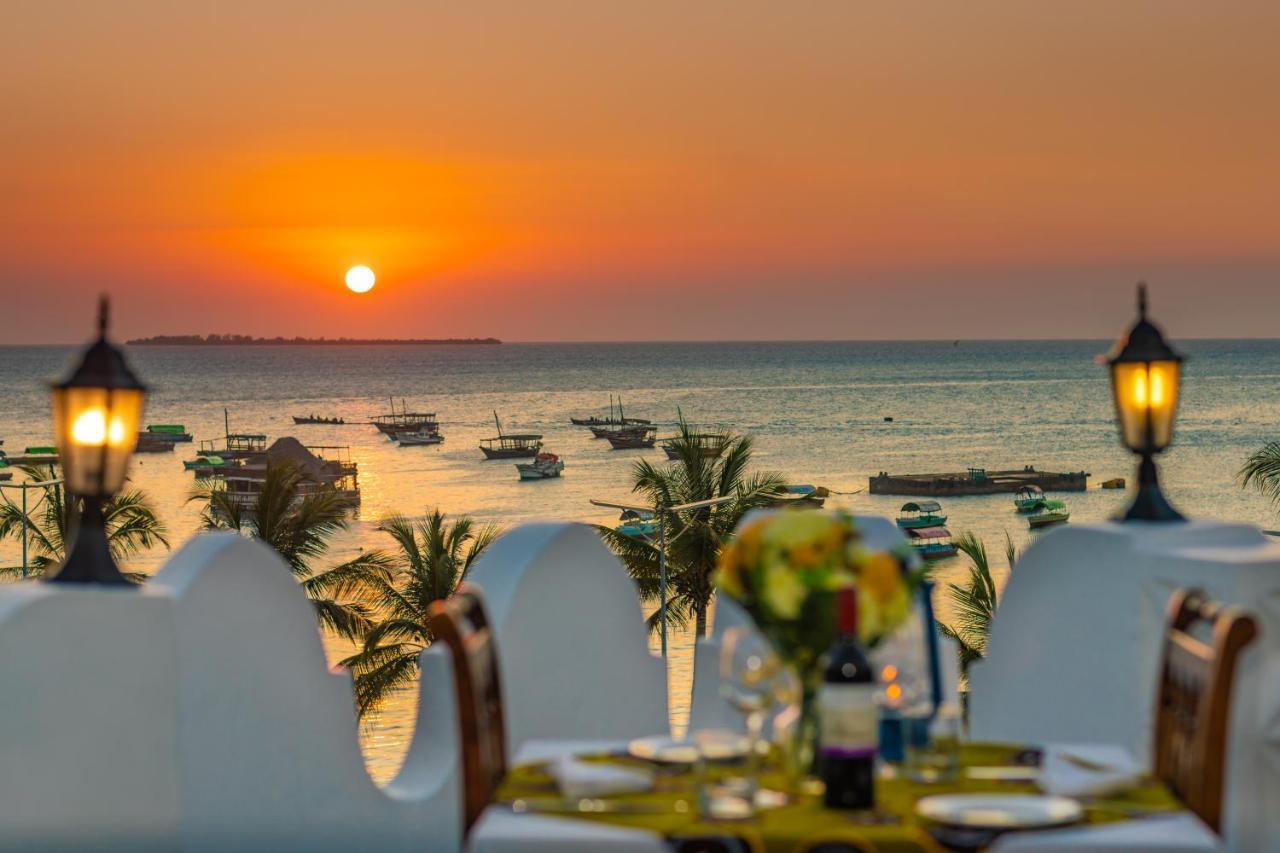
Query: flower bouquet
{"x": 784, "y": 569}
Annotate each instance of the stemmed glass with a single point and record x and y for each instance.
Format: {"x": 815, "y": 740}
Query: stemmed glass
{"x": 748, "y": 669}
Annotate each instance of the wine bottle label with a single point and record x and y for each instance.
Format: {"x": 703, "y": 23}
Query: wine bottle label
{"x": 849, "y": 721}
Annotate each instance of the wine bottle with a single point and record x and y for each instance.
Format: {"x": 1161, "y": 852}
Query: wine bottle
{"x": 848, "y": 719}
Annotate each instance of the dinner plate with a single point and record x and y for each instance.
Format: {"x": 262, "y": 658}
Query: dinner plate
{"x": 663, "y": 749}
{"x": 720, "y": 744}
{"x": 1000, "y": 811}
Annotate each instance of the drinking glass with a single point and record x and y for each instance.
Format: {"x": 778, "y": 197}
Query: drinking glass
{"x": 935, "y": 757}
{"x": 749, "y": 668}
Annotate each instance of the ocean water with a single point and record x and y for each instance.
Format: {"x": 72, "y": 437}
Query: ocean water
{"x": 816, "y": 411}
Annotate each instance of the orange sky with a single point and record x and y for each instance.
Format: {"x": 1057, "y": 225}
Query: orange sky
{"x": 560, "y": 170}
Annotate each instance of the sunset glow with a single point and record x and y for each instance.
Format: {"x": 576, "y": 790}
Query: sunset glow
{"x": 518, "y": 173}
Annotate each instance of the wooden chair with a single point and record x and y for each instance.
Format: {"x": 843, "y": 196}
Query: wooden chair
{"x": 1193, "y": 700}
{"x": 461, "y": 624}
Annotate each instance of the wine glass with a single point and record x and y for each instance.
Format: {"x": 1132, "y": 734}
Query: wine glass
{"x": 748, "y": 670}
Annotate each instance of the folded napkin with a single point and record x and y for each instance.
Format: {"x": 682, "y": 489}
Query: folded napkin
{"x": 578, "y": 779}
{"x": 1088, "y": 770}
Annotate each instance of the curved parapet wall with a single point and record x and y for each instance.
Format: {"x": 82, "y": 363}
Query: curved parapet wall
{"x": 572, "y": 644}
{"x": 198, "y": 713}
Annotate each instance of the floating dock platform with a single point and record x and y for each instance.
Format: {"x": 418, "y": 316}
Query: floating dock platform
{"x": 976, "y": 481}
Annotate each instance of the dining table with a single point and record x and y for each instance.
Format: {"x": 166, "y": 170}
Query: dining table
{"x": 529, "y": 812}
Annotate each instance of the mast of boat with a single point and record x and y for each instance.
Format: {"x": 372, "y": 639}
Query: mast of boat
{"x": 622, "y": 419}
{"x": 226, "y": 423}
{"x": 610, "y": 407}
{"x": 497, "y": 423}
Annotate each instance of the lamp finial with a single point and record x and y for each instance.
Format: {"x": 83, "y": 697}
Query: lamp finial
{"x": 104, "y": 313}
{"x": 1142, "y": 300}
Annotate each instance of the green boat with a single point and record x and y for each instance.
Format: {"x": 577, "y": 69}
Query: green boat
{"x": 1047, "y": 512}
{"x": 919, "y": 514}
{"x": 203, "y": 462}
{"x": 169, "y": 432}
{"x": 1027, "y": 499}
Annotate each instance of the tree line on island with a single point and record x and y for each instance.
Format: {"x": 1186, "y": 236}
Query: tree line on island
{"x": 250, "y": 340}
{"x": 381, "y": 599}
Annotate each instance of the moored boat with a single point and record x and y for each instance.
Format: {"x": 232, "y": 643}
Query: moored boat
{"x": 710, "y": 444}
{"x": 543, "y": 467}
{"x": 612, "y": 421}
{"x": 149, "y": 442}
{"x": 638, "y": 524}
{"x": 920, "y": 514}
{"x": 168, "y": 432}
{"x": 1027, "y": 497}
{"x": 931, "y": 543}
{"x": 510, "y": 445}
{"x": 802, "y": 495}
{"x": 405, "y": 421}
{"x": 636, "y": 438}
{"x": 1047, "y": 512}
{"x": 417, "y": 438}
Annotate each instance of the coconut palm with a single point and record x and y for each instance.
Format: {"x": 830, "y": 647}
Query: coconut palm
{"x": 131, "y": 524}
{"x": 299, "y": 524}
{"x": 976, "y": 600}
{"x": 431, "y": 558}
{"x": 1262, "y": 471}
{"x": 694, "y": 537}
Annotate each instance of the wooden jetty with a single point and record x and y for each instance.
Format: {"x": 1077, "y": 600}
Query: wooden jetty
{"x": 976, "y": 481}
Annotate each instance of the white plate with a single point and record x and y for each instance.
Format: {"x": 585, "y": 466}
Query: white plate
{"x": 720, "y": 744}
{"x": 1000, "y": 811}
{"x": 663, "y": 750}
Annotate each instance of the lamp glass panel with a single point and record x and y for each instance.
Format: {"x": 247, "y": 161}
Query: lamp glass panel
{"x": 1146, "y": 402}
{"x": 97, "y": 431}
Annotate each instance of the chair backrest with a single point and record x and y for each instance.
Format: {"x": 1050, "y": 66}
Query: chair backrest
{"x": 461, "y": 624}
{"x": 1193, "y": 700}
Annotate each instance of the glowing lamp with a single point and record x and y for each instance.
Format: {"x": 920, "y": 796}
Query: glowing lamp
{"x": 97, "y": 411}
{"x": 1145, "y": 377}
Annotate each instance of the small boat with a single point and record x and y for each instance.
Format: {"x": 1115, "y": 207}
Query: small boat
{"x": 803, "y": 495}
{"x": 510, "y": 446}
{"x": 168, "y": 432}
{"x": 418, "y": 438}
{"x": 1027, "y": 498}
{"x": 543, "y": 467}
{"x": 638, "y": 524}
{"x": 635, "y": 438}
{"x": 710, "y": 445}
{"x": 1046, "y": 513}
{"x": 1113, "y": 483}
{"x": 234, "y": 445}
{"x": 931, "y": 543}
{"x": 148, "y": 442}
{"x": 317, "y": 419}
{"x": 920, "y": 514}
{"x": 201, "y": 462}
{"x": 405, "y": 421}
{"x": 611, "y": 421}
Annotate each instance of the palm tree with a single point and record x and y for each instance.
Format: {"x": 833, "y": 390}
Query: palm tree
{"x": 432, "y": 557}
{"x": 694, "y": 537}
{"x": 131, "y": 523}
{"x": 1262, "y": 471}
{"x": 976, "y": 601}
{"x": 299, "y": 526}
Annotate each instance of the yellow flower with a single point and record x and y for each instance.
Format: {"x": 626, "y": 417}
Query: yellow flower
{"x": 784, "y": 592}
{"x": 729, "y": 572}
{"x": 880, "y": 577}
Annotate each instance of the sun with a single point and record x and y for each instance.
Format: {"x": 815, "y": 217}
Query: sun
{"x": 360, "y": 279}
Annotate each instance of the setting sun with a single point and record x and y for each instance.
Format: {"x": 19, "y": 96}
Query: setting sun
{"x": 360, "y": 279}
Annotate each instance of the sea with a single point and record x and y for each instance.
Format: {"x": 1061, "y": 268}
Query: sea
{"x": 825, "y": 413}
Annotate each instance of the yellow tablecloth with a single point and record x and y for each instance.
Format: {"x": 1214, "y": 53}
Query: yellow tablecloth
{"x": 804, "y": 823}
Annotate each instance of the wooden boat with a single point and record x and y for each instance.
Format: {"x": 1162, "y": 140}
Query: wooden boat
{"x": 510, "y": 446}
{"x": 611, "y": 421}
{"x": 418, "y": 438}
{"x": 1046, "y": 513}
{"x": 635, "y": 438}
{"x": 406, "y": 421}
{"x": 931, "y": 543}
{"x": 1113, "y": 483}
{"x": 201, "y": 462}
{"x": 168, "y": 432}
{"x": 543, "y": 467}
{"x": 710, "y": 445}
{"x": 1027, "y": 498}
{"x": 148, "y": 442}
{"x": 317, "y": 419}
{"x": 920, "y": 514}
{"x": 234, "y": 445}
{"x": 803, "y": 495}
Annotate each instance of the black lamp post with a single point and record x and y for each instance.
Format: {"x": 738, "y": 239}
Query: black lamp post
{"x": 96, "y": 414}
{"x": 1145, "y": 375}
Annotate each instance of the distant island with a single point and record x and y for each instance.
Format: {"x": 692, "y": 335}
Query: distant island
{"x": 249, "y": 340}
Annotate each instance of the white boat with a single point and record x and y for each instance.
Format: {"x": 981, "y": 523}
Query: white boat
{"x": 411, "y": 439}
{"x": 543, "y": 467}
